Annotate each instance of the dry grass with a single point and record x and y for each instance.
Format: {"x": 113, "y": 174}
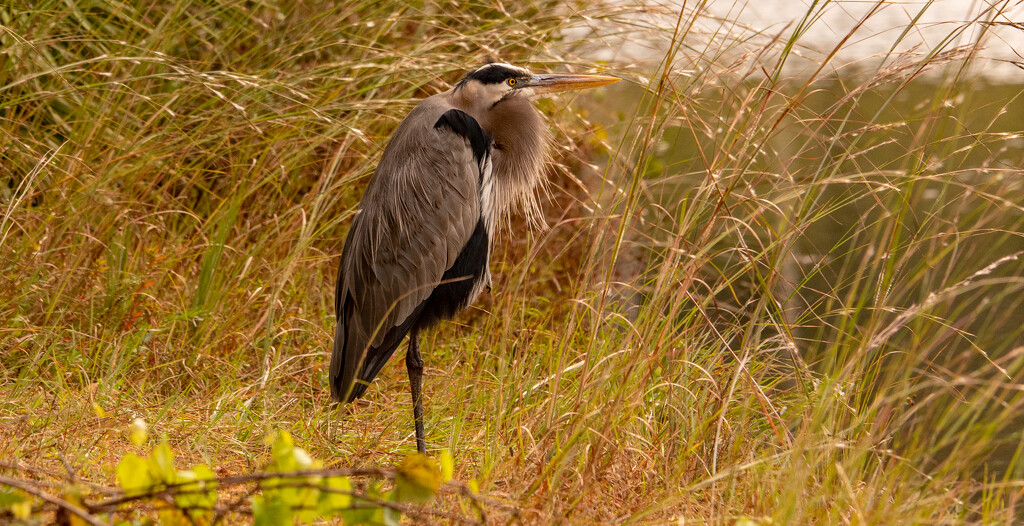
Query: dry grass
{"x": 785, "y": 297}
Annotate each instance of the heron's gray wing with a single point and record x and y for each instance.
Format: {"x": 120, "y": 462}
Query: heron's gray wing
{"x": 419, "y": 210}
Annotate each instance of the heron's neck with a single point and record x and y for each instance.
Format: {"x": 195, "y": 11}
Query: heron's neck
{"x": 520, "y": 151}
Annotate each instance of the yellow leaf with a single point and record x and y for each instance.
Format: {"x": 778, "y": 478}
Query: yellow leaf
{"x": 418, "y": 478}
{"x": 447, "y": 465}
{"x": 73, "y": 495}
{"x": 138, "y": 432}
{"x": 133, "y": 474}
{"x": 22, "y": 510}
{"x": 302, "y": 459}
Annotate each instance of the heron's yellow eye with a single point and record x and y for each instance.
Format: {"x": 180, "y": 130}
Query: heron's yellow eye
{"x": 510, "y": 82}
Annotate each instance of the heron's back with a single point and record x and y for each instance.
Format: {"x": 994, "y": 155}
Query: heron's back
{"x": 418, "y": 250}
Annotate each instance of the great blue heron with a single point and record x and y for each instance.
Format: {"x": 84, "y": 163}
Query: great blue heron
{"x": 418, "y": 249}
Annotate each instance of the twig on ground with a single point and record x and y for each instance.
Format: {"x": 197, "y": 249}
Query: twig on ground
{"x": 56, "y": 501}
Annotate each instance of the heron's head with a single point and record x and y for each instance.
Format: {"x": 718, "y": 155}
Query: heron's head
{"x": 497, "y": 82}
{"x": 498, "y": 96}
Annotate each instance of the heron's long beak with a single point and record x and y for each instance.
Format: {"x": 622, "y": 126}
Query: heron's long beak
{"x": 555, "y": 83}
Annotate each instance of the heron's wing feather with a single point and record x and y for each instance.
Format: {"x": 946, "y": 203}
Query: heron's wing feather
{"x": 419, "y": 211}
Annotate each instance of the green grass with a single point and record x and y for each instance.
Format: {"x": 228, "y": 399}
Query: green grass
{"x": 795, "y": 298}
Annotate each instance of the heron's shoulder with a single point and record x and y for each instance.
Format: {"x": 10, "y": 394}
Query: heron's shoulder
{"x": 420, "y": 121}
{"x": 430, "y": 108}
{"x": 462, "y": 124}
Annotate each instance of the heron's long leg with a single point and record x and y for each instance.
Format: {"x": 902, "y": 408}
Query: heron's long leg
{"x": 414, "y": 364}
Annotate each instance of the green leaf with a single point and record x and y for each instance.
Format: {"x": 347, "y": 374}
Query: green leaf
{"x": 133, "y": 474}
{"x": 161, "y": 463}
{"x": 331, "y": 501}
{"x": 8, "y": 497}
{"x": 286, "y": 457}
{"x": 353, "y": 516}
{"x": 282, "y": 453}
{"x": 201, "y": 495}
{"x": 203, "y": 474}
{"x": 186, "y": 499}
{"x": 391, "y": 517}
{"x": 418, "y": 479}
{"x": 270, "y": 512}
{"x": 366, "y": 512}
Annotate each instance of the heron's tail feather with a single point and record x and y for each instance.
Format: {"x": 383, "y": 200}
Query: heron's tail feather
{"x": 344, "y": 362}
{"x": 350, "y": 357}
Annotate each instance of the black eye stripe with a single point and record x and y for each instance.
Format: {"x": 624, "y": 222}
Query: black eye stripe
{"x": 494, "y": 74}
